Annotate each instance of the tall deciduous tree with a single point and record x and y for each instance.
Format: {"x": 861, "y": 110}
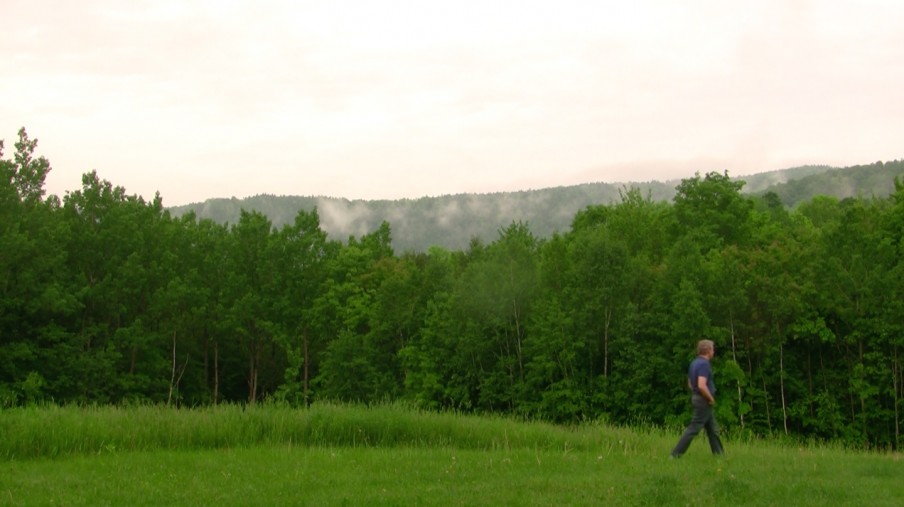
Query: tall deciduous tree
{"x": 714, "y": 208}
{"x": 251, "y": 310}
{"x": 353, "y": 366}
{"x": 496, "y": 293}
{"x": 36, "y": 304}
{"x": 300, "y": 254}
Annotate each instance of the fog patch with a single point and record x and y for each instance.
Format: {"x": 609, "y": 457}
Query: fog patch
{"x": 448, "y": 214}
{"x": 398, "y": 215}
{"x": 341, "y": 218}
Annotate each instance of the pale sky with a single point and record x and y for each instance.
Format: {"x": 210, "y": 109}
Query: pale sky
{"x": 389, "y": 99}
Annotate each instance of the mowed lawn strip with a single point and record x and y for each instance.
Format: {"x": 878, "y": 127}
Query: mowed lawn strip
{"x": 754, "y": 474}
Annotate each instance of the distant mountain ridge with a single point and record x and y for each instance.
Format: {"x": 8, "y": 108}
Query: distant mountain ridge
{"x": 451, "y": 221}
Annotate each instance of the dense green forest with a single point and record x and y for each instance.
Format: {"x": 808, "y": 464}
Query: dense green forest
{"x": 108, "y": 298}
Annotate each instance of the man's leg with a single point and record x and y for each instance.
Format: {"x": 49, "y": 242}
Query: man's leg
{"x": 702, "y": 414}
{"x": 712, "y": 432}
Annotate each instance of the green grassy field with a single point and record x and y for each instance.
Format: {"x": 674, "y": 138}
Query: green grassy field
{"x": 334, "y": 455}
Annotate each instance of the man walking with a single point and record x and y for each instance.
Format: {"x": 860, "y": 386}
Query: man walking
{"x": 700, "y": 381}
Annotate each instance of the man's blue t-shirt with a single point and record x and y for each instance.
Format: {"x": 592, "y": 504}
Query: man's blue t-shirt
{"x": 700, "y": 368}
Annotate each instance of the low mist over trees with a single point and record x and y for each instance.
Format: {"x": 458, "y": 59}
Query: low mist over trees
{"x": 452, "y": 221}
{"x": 108, "y": 298}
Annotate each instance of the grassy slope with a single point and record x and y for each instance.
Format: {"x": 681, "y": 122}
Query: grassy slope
{"x": 392, "y": 456}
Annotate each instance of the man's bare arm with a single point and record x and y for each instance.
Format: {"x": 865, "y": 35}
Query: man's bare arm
{"x": 704, "y": 390}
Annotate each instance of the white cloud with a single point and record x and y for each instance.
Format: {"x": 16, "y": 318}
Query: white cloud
{"x": 388, "y": 99}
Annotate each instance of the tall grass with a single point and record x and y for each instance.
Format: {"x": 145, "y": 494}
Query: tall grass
{"x": 392, "y": 455}
{"x": 52, "y": 431}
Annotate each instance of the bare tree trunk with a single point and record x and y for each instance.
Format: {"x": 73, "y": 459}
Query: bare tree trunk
{"x": 307, "y": 362}
{"x": 781, "y": 378}
{"x": 174, "y": 379}
{"x": 206, "y": 360}
{"x": 169, "y": 398}
{"x": 518, "y": 341}
{"x": 749, "y": 367}
{"x": 863, "y": 401}
{"x": 734, "y": 357}
{"x": 810, "y": 386}
{"x": 216, "y": 372}
{"x": 253, "y": 360}
{"x": 608, "y": 322}
{"x": 895, "y": 375}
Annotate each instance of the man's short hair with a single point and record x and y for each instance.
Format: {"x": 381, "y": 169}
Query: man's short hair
{"x": 704, "y": 346}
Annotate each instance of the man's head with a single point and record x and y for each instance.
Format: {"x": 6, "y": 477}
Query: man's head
{"x": 705, "y": 348}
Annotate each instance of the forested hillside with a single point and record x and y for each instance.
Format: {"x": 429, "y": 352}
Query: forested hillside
{"x": 874, "y": 180}
{"x": 108, "y": 298}
{"x": 453, "y": 221}
{"x": 450, "y": 221}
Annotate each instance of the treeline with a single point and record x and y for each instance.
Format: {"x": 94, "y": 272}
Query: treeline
{"x": 448, "y": 221}
{"x": 451, "y": 221}
{"x": 107, "y": 298}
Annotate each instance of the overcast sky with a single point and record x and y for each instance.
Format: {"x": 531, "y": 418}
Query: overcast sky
{"x": 377, "y": 99}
